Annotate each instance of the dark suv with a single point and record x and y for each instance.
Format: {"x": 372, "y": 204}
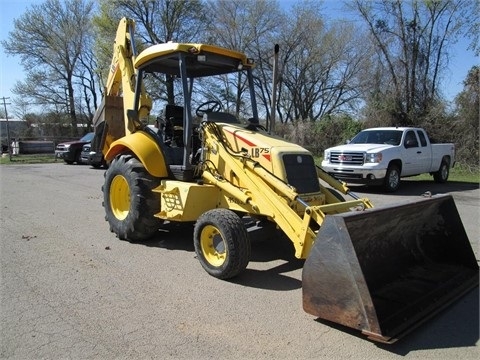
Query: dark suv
{"x": 92, "y": 157}
{"x": 70, "y": 151}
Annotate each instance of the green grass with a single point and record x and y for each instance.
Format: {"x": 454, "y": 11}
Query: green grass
{"x": 27, "y": 159}
{"x": 458, "y": 173}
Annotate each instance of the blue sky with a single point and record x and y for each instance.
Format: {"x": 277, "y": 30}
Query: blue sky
{"x": 11, "y": 71}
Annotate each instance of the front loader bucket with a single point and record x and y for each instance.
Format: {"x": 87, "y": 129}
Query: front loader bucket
{"x": 384, "y": 271}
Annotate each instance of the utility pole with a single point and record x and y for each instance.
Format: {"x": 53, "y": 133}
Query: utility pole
{"x": 8, "y": 127}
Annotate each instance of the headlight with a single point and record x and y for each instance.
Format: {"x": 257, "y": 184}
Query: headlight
{"x": 373, "y": 158}
{"x": 326, "y": 155}
{"x": 67, "y": 146}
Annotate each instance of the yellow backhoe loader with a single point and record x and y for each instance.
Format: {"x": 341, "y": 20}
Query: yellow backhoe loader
{"x": 379, "y": 270}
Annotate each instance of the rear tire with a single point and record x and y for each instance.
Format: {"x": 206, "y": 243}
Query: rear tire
{"x": 441, "y": 176}
{"x": 392, "y": 179}
{"x": 221, "y": 243}
{"x": 128, "y": 199}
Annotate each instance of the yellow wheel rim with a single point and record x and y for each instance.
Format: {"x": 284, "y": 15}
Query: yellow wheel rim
{"x": 213, "y": 246}
{"x": 120, "y": 197}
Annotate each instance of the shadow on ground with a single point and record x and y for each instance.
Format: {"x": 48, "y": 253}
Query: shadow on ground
{"x": 415, "y": 188}
{"x": 456, "y": 326}
{"x": 268, "y": 245}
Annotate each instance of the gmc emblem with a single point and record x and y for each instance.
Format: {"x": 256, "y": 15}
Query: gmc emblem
{"x": 345, "y": 158}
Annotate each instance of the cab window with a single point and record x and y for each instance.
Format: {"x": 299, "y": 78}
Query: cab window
{"x": 410, "y": 140}
{"x": 421, "y": 136}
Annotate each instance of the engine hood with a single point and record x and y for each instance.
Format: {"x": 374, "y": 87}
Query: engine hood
{"x": 369, "y": 148}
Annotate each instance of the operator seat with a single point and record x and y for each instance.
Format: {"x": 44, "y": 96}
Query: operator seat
{"x": 174, "y": 125}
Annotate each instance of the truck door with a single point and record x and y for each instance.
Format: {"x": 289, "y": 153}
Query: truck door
{"x": 413, "y": 154}
{"x": 425, "y": 155}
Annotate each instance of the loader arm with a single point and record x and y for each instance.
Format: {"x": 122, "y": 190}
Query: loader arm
{"x": 262, "y": 193}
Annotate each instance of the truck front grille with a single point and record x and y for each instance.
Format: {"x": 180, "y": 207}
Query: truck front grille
{"x": 347, "y": 158}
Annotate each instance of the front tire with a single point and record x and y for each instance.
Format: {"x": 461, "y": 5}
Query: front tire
{"x": 128, "y": 199}
{"x": 392, "y": 179}
{"x": 221, "y": 243}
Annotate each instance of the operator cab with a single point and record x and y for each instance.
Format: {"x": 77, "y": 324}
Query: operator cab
{"x": 171, "y": 128}
{"x": 188, "y": 62}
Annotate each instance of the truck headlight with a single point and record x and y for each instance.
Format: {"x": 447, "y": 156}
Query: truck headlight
{"x": 373, "y": 158}
{"x": 326, "y": 155}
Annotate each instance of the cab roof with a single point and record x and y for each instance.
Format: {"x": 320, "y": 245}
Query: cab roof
{"x": 201, "y": 59}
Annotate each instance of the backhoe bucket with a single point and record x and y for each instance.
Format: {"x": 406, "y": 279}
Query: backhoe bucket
{"x": 386, "y": 270}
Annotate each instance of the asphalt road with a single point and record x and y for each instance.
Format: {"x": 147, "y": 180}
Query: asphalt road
{"x": 70, "y": 290}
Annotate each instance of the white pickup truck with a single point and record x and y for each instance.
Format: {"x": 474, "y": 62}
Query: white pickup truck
{"x": 381, "y": 156}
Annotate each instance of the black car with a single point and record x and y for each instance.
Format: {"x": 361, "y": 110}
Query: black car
{"x": 70, "y": 151}
{"x": 91, "y": 157}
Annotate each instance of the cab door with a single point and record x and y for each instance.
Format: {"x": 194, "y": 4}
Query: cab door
{"x": 425, "y": 156}
{"x": 414, "y": 156}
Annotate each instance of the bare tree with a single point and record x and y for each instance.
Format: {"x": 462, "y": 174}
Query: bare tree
{"x": 88, "y": 79}
{"x": 247, "y": 26}
{"x": 321, "y": 64}
{"x": 468, "y": 119}
{"x": 156, "y": 21}
{"x": 412, "y": 40}
{"x": 49, "y": 38}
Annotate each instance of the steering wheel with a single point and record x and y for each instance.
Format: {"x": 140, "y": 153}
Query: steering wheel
{"x": 208, "y": 107}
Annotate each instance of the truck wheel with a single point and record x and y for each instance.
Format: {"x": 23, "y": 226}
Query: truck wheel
{"x": 221, "y": 243}
{"x": 392, "y": 179}
{"x": 441, "y": 176}
{"x": 78, "y": 157}
{"x": 128, "y": 199}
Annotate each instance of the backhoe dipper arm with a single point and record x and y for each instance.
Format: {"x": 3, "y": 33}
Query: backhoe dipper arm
{"x": 122, "y": 77}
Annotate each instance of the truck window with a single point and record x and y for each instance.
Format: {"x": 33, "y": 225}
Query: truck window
{"x": 421, "y": 135}
{"x": 392, "y": 137}
{"x": 410, "y": 140}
